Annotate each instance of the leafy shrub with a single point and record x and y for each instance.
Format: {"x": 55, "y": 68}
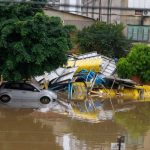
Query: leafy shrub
{"x": 107, "y": 39}
{"x": 137, "y": 63}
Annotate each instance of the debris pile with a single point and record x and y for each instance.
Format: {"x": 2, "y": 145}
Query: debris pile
{"x": 92, "y": 74}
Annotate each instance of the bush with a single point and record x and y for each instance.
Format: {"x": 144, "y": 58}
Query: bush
{"x": 107, "y": 39}
{"x": 137, "y": 63}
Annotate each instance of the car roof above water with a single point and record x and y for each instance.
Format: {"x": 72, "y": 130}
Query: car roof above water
{"x": 18, "y": 82}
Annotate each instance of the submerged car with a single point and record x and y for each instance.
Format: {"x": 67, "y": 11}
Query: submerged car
{"x": 15, "y": 91}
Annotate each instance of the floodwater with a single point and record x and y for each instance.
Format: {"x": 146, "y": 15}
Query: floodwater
{"x": 31, "y": 129}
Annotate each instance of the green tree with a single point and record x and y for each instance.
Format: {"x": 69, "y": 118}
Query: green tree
{"x": 30, "y": 42}
{"x": 71, "y": 31}
{"x": 107, "y": 39}
{"x": 38, "y": 3}
{"x": 137, "y": 63}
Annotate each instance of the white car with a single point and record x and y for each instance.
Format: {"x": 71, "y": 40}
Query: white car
{"x": 16, "y": 91}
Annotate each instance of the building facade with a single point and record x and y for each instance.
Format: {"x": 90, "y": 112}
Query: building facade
{"x": 90, "y": 8}
{"x": 101, "y": 10}
{"x": 67, "y": 5}
{"x": 137, "y": 20}
{"x": 131, "y": 13}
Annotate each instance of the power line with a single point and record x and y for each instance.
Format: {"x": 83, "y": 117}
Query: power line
{"x": 76, "y": 6}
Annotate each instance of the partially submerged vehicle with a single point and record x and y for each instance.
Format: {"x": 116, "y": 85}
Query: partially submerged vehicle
{"x": 21, "y": 91}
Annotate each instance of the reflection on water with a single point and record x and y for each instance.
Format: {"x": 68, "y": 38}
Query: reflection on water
{"x": 24, "y": 104}
{"x": 139, "y": 117}
{"x": 74, "y": 134}
{"x": 97, "y": 110}
{"x": 22, "y": 129}
{"x": 19, "y": 131}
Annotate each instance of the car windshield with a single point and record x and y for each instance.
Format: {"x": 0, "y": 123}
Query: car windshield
{"x": 37, "y": 87}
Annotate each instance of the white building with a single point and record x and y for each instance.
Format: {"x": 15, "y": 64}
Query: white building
{"x": 139, "y": 4}
{"x": 71, "y": 6}
{"x": 74, "y": 6}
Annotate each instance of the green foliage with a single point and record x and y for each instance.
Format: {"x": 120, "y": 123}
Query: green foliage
{"x": 107, "y": 39}
{"x": 17, "y": 11}
{"x": 30, "y": 42}
{"x": 71, "y": 31}
{"x": 137, "y": 63}
{"x": 70, "y": 28}
{"x": 39, "y": 3}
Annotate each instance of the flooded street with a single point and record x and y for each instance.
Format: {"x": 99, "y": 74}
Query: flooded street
{"x": 75, "y": 75}
{"x": 31, "y": 129}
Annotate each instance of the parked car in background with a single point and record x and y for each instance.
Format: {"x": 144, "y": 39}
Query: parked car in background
{"x": 16, "y": 91}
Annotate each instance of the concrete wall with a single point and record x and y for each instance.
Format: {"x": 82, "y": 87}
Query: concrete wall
{"x": 70, "y": 19}
{"x": 129, "y": 17}
{"x": 101, "y": 14}
{"x": 115, "y": 14}
{"x": 124, "y": 16}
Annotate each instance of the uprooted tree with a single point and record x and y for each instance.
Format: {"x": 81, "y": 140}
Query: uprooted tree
{"x": 107, "y": 39}
{"x": 30, "y": 42}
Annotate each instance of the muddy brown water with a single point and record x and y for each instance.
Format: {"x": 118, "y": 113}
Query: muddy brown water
{"x": 29, "y": 129}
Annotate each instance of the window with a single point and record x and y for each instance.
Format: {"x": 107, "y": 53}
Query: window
{"x": 15, "y": 86}
{"x": 7, "y": 86}
{"x": 27, "y": 87}
{"x": 135, "y": 33}
{"x": 145, "y": 33}
{"x": 138, "y": 33}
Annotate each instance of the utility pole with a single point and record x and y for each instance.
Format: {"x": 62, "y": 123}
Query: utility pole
{"x": 93, "y": 5}
{"x": 100, "y": 10}
{"x": 120, "y": 140}
{"x": 109, "y": 4}
{"x": 108, "y": 11}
